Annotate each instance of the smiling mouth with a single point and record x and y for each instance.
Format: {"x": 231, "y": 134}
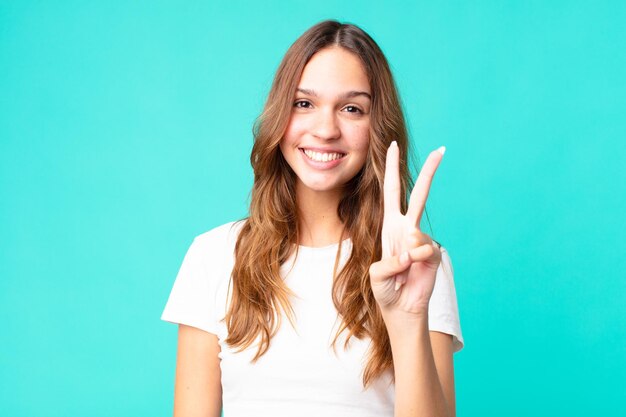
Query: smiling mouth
{"x": 322, "y": 156}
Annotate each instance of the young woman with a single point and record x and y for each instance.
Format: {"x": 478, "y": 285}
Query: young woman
{"x": 328, "y": 300}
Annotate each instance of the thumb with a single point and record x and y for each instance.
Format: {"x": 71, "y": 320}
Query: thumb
{"x": 389, "y": 267}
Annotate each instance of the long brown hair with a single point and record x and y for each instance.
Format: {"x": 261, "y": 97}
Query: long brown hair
{"x": 259, "y": 297}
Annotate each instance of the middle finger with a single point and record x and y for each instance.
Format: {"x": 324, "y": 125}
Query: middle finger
{"x": 420, "y": 192}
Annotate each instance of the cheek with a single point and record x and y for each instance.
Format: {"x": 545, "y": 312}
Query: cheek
{"x": 294, "y": 130}
{"x": 359, "y": 137}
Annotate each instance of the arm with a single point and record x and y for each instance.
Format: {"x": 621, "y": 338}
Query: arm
{"x": 198, "y": 387}
{"x": 422, "y": 360}
{"x": 423, "y": 368}
{"x": 443, "y": 349}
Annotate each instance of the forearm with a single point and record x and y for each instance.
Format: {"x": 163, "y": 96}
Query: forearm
{"x": 417, "y": 386}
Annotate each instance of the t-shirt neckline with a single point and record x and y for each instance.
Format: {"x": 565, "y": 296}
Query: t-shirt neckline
{"x": 322, "y": 249}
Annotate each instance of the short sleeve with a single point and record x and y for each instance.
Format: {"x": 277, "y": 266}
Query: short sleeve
{"x": 193, "y": 299}
{"x": 443, "y": 311}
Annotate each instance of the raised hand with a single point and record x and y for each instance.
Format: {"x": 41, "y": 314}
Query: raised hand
{"x": 403, "y": 280}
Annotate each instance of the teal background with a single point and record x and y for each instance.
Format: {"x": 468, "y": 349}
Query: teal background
{"x": 125, "y": 131}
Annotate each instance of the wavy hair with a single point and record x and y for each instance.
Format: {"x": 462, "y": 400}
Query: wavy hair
{"x": 259, "y": 297}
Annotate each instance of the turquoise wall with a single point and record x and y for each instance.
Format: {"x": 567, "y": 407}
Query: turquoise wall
{"x": 125, "y": 130}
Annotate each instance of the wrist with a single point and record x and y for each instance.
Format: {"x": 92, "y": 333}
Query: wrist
{"x": 401, "y": 323}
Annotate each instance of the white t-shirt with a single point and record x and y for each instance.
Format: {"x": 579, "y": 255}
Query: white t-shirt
{"x": 300, "y": 374}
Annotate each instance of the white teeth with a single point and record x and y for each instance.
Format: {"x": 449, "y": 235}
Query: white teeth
{"x": 322, "y": 157}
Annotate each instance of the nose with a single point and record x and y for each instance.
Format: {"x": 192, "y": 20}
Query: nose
{"x": 326, "y": 126}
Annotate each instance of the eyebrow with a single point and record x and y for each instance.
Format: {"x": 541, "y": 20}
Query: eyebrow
{"x": 348, "y": 94}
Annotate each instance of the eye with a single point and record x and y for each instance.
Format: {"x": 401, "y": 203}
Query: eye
{"x": 302, "y": 104}
{"x": 353, "y": 109}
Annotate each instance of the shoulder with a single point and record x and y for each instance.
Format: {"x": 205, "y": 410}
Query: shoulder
{"x": 445, "y": 271}
{"x": 221, "y": 239}
{"x": 443, "y": 306}
{"x": 214, "y": 250}
{"x": 199, "y": 292}
{"x": 446, "y": 263}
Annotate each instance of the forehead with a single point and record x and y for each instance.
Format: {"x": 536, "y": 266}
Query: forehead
{"x": 333, "y": 70}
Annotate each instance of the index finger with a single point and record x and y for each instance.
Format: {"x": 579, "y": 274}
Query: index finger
{"x": 391, "y": 184}
{"x": 417, "y": 202}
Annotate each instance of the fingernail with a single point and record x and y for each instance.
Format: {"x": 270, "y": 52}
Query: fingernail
{"x": 394, "y": 143}
{"x": 442, "y": 150}
{"x": 404, "y": 257}
{"x": 398, "y": 285}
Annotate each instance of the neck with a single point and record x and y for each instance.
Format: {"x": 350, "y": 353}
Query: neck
{"x": 319, "y": 223}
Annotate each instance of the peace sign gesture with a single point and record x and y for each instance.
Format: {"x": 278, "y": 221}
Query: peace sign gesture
{"x": 403, "y": 280}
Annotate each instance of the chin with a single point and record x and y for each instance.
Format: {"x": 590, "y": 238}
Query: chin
{"x": 321, "y": 186}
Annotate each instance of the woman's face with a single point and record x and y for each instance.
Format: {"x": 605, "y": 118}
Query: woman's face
{"x": 327, "y": 138}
